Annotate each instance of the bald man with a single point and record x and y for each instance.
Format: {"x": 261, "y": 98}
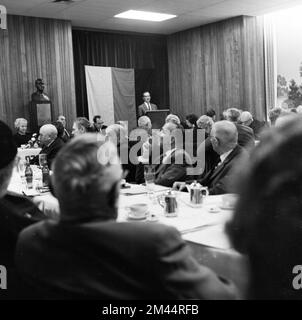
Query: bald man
{"x": 224, "y": 139}
{"x": 50, "y": 142}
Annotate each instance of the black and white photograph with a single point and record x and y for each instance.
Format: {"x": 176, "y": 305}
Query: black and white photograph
{"x": 150, "y": 153}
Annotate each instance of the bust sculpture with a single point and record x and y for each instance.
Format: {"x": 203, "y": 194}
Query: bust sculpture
{"x": 39, "y": 95}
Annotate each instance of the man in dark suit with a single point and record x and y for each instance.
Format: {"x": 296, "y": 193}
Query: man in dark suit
{"x": 246, "y": 137}
{"x": 98, "y": 124}
{"x": 66, "y": 135}
{"x": 175, "y": 160}
{"x": 86, "y": 253}
{"x": 51, "y": 143}
{"x": 220, "y": 179}
{"x": 247, "y": 119}
{"x": 211, "y": 157}
{"x": 146, "y": 106}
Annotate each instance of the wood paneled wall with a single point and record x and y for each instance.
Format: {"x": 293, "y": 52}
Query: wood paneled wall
{"x": 34, "y": 48}
{"x": 220, "y": 65}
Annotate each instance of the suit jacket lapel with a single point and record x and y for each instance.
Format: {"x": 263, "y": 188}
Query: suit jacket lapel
{"x": 220, "y": 168}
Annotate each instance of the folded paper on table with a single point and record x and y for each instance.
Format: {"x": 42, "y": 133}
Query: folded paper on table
{"x": 140, "y": 189}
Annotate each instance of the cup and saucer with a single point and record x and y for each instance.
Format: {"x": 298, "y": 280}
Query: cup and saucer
{"x": 138, "y": 211}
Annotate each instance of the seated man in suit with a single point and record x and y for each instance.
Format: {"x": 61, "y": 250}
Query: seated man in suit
{"x": 247, "y": 119}
{"x": 211, "y": 157}
{"x": 246, "y": 137}
{"x": 86, "y": 253}
{"x": 145, "y": 123}
{"x": 98, "y": 124}
{"x": 51, "y": 143}
{"x": 174, "y": 160}
{"x": 147, "y": 105}
{"x": 219, "y": 180}
{"x": 66, "y": 135}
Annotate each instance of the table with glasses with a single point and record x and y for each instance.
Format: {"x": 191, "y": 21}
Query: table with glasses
{"x": 28, "y": 152}
{"x": 202, "y": 227}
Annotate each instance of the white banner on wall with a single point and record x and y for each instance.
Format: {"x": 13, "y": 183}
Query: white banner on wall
{"x": 100, "y": 93}
{"x": 111, "y": 94}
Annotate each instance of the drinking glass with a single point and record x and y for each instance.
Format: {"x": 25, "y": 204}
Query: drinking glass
{"x": 21, "y": 167}
{"x": 149, "y": 174}
{"x": 42, "y": 160}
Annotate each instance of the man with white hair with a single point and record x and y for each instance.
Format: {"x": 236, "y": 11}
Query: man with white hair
{"x": 211, "y": 157}
{"x": 51, "y": 143}
{"x": 174, "y": 160}
{"x": 144, "y": 122}
{"x": 173, "y": 118}
{"x": 206, "y": 123}
{"x": 247, "y": 119}
{"x": 224, "y": 139}
{"x": 87, "y": 254}
{"x": 246, "y": 137}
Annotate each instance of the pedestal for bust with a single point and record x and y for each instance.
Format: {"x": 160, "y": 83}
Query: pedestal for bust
{"x": 41, "y": 112}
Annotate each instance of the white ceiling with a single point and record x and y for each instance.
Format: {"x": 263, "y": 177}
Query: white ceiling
{"x": 99, "y": 14}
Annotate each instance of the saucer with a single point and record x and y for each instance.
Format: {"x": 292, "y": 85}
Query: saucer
{"x": 133, "y": 217}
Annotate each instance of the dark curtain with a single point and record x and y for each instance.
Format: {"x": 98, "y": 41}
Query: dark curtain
{"x": 147, "y": 54}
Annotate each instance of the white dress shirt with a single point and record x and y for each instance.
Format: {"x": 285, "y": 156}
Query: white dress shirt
{"x": 223, "y": 157}
{"x": 148, "y": 106}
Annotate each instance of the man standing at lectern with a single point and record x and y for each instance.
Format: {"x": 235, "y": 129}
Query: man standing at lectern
{"x": 147, "y": 105}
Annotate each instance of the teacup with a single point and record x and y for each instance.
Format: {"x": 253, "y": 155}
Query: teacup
{"x": 138, "y": 211}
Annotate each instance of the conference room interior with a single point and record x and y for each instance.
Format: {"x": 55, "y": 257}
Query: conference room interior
{"x": 150, "y": 159}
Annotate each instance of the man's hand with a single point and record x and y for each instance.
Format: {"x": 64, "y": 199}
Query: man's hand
{"x": 177, "y": 185}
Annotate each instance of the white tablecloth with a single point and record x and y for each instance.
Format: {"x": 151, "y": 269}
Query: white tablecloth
{"x": 201, "y": 228}
{"x": 22, "y": 153}
{"x": 198, "y": 225}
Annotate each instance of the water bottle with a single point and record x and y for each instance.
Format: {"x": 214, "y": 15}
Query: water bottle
{"x": 28, "y": 175}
